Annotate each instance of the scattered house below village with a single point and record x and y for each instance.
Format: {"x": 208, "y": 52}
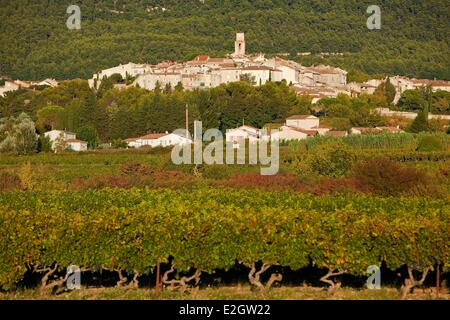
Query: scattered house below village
{"x": 158, "y": 140}
{"x": 19, "y": 84}
{"x": 286, "y": 133}
{"x": 47, "y": 82}
{"x": 151, "y": 140}
{"x": 363, "y": 130}
{"x": 8, "y": 87}
{"x": 13, "y": 86}
{"x": 307, "y": 123}
{"x": 173, "y": 139}
{"x": 335, "y": 133}
{"x": 303, "y": 121}
{"x": 76, "y": 145}
{"x": 70, "y": 138}
{"x": 55, "y": 134}
{"x": 242, "y": 133}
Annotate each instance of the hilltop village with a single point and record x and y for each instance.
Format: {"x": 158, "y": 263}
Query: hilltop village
{"x": 205, "y": 72}
{"x": 208, "y": 72}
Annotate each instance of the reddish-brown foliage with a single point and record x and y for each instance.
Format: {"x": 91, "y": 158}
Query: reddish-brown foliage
{"x": 135, "y": 168}
{"x": 255, "y": 180}
{"x": 386, "y": 177}
{"x": 9, "y": 182}
{"x": 329, "y": 186}
{"x": 101, "y": 182}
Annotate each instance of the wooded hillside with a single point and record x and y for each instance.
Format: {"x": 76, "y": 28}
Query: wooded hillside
{"x": 35, "y": 42}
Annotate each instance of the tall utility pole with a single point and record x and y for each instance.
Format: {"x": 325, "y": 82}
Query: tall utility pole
{"x": 187, "y": 121}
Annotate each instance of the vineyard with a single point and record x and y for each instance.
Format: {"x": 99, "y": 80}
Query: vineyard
{"x": 200, "y": 232}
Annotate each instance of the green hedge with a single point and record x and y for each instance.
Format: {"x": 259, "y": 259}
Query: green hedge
{"x": 204, "y": 229}
{"x": 388, "y": 141}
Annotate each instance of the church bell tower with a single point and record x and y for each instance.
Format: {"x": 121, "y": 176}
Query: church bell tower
{"x": 239, "y": 45}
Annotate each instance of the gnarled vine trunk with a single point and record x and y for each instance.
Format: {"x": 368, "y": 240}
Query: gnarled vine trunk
{"x": 254, "y": 277}
{"x": 411, "y": 282}
{"x": 124, "y": 279}
{"x": 46, "y": 285}
{"x": 332, "y": 273}
{"x": 183, "y": 283}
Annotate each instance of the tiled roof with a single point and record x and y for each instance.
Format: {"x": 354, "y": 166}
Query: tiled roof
{"x": 259, "y": 68}
{"x": 75, "y": 141}
{"x": 152, "y": 136}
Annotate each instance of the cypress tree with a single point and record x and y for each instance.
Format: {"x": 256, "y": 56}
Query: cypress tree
{"x": 420, "y": 123}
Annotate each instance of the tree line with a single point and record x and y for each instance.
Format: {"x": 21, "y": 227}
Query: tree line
{"x": 112, "y": 114}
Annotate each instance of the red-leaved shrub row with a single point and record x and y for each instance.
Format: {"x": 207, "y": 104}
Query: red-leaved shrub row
{"x": 380, "y": 176}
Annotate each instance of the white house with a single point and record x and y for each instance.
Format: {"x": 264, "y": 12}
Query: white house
{"x": 242, "y": 133}
{"x": 7, "y": 87}
{"x": 303, "y": 122}
{"x": 76, "y": 145}
{"x": 47, "y": 82}
{"x": 151, "y": 140}
{"x": 290, "y": 70}
{"x": 131, "y": 69}
{"x": 230, "y": 74}
{"x": 262, "y": 74}
{"x": 364, "y": 130}
{"x": 286, "y": 133}
{"x": 55, "y": 134}
{"x": 148, "y": 81}
{"x": 132, "y": 142}
{"x": 329, "y": 76}
{"x": 158, "y": 140}
{"x": 69, "y": 137}
{"x": 174, "y": 139}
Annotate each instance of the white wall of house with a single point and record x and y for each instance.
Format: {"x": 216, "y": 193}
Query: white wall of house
{"x": 306, "y": 79}
{"x": 307, "y": 123}
{"x": 321, "y": 131}
{"x": 148, "y": 142}
{"x": 130, "y": 68}
{"x": 55, "y": 134}
{"x": 287, "y": 134}
{"x": 77, "y": 145}
{"x": 288, "y": 71}
{"x": 289, "y": 74}
{"x": 164, "y": 140}
{"x": 7, "y": 87}
{"x": 173, "y": 139}
{"x": 228, "y": 75}
{"x": 331, "y": 79}
{"x": 69, "y": 137}
{"x": 262, "y": 75}
{"x": 238, "y": 135}
{"x": 148, "y": 81}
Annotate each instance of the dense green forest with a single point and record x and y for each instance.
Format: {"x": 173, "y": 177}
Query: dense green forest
{"x": 35, "y": 42}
